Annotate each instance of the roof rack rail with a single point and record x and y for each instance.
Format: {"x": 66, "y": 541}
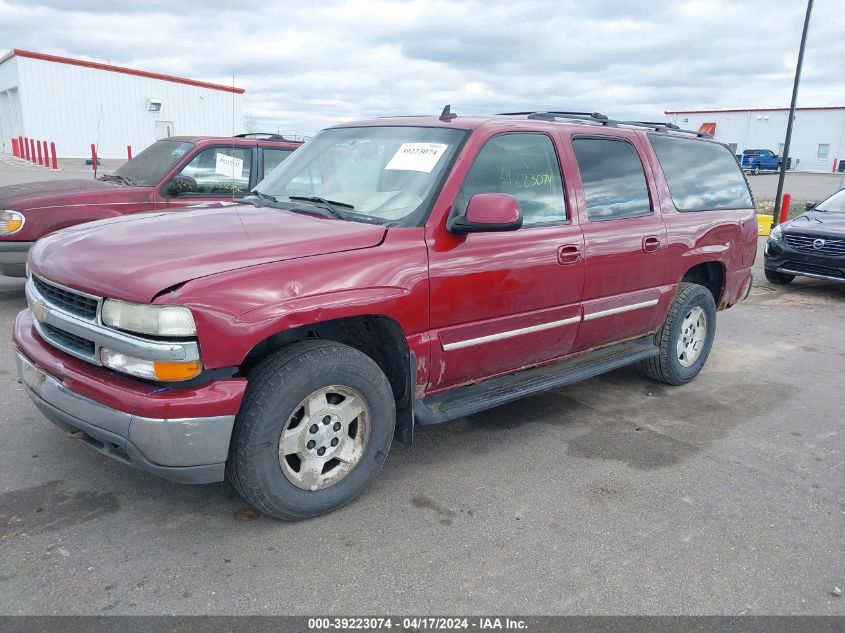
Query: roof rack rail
{"x": 663, "y": 127}
{"x": 266, "y": 136}
{"x": 598, "y": 117}
{"x": 551, "y": 115}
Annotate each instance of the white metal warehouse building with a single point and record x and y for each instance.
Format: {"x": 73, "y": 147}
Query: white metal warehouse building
{"x": 818, "y": 134}
{"x": 74, "y": 103}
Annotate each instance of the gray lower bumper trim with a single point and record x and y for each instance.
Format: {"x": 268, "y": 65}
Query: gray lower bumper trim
{"x": 118, "y": 448}
{"x": 188, "y": 450}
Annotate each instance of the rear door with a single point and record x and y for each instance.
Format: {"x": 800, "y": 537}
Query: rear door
{"x": 625, "y": 240}
{"x": 504, "y": 301}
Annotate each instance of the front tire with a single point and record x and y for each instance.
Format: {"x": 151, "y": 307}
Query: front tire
{"x": 775, "y": 277}
{"x": 313, "y": 431}
{"x": 685, "y": 338}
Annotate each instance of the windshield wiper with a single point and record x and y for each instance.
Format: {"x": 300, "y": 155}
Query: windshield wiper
{"x": 332, "y": 206}
{"x": 261, "y": 195}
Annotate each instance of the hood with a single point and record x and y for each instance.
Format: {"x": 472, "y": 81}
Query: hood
{"x": 822, "y": 223}
{"x": 57, "y": 193}
{"x": 136, "y": 257}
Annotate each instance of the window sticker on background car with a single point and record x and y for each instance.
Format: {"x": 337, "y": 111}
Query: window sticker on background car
{"x": 416, "y": 157}
{"x": 228, "y": 166}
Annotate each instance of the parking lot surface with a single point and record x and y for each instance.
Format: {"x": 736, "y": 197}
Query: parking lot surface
{"x": 615, "y": 495}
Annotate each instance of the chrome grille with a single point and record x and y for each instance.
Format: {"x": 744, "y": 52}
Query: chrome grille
{"x": 68, "y": 341}
{"x": 74, "y": 302}
{"x": 802, "y": 242}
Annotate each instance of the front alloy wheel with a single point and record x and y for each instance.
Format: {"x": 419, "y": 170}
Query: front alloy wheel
{"x": 314, "y": 428}
{"x": 325, "y": 438}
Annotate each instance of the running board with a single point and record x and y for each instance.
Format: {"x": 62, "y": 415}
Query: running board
{"x": 464, "y": 401}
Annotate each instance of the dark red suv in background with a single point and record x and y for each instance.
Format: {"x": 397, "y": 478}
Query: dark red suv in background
{"x": 170, "y": 173}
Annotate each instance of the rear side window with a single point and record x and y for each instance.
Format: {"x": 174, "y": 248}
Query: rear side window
{"x": 702, "y": 176}
{"x": 272, "y": 158}
{"x": 613, "y": 178}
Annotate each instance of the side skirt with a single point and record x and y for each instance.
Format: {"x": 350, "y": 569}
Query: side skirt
{"x": 494, "y": 392}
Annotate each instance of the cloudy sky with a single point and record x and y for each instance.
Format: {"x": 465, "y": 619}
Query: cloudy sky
{"x": 306, "y": 65}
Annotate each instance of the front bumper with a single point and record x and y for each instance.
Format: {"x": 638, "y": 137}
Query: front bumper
{"x": 778, "y": 256}
{"x": 179, "y": 434}
{"x": 13, "y": 258}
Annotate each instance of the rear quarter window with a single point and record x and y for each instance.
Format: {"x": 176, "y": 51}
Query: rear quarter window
{"x": 702, "y": 176}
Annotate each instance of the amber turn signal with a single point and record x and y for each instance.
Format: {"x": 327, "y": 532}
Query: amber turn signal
{"x": 177, "y": 371}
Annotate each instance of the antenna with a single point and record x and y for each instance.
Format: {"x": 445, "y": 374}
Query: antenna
{"x": 447, "y": 114}
{"x": 233, "y": 140}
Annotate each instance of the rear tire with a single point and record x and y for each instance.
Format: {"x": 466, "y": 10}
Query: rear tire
{"x": 756, "y": 171}
{"x": 313, "y": 431}
{"x": 778, "y": 278}
{"x": 685, "y": 338}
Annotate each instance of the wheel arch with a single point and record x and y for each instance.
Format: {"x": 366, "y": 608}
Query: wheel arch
{"x": 711, "y": 275}
{"x": 378, "y": 336}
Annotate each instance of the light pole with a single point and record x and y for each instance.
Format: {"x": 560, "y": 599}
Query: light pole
{"x": 782, "y": 175}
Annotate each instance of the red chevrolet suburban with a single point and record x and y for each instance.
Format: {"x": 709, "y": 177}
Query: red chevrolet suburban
{"x": 390, "y": 274}
{"x": 169, "y": 174}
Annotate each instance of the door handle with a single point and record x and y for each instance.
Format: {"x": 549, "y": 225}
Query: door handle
{"x": 651, "y": 244}
{"x": 569, "y": 254}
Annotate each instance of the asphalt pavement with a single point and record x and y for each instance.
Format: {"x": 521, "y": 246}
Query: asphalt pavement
{"x": 614, "y": 496}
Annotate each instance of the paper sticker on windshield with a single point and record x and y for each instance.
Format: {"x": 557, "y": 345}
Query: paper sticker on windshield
{"x": 229, "y": 166}
{"x": 417, "y": 157}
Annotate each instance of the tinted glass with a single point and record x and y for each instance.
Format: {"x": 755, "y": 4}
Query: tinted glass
{"x": 386, "y": 173}
{"x": 613, "y": 178}
{"x": 702, "y": 176}
{"x": 272, "y": 158}
{"x": 525, "y": 167}
{"x": 220, "y": 170}
{"x": 153, "y": 164}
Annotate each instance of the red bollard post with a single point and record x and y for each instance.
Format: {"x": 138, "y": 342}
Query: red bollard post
{"x": 128, "y": 152}
{"x": 20, "y": 147}
{"x": 94, "y": 156}
{"x": 46, "y": 155}
{"x": 32, "y": 151}
{"x": 15, "y": 148}
{"x": 38, "y": 152}
{"x": 53, "y": 152}
{"x": 784, "y": 208}
{"x": 25, "y": 148}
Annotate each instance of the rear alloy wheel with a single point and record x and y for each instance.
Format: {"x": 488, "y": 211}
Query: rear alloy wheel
{"x": 775, "y": 277}
{"x": 685, "y": 338}
{"x": 756, "y": 171}
{"x": 313, "y": 431}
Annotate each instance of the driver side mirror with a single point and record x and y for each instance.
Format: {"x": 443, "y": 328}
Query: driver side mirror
{"x": 183, "y": 184}
{"x": 809, "y": 206}
{"x": 487, "y": 213}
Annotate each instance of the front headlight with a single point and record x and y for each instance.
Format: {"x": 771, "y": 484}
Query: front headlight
{"x": 777, "y": 233}
{"x": 149, "y": 319}
{"x": 11, "y": 222}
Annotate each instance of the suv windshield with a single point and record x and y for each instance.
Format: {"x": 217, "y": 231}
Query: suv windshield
{"x": 150, "y": 166}
{"x": 384, "y": 173}
{"x": 834, "y": 204}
